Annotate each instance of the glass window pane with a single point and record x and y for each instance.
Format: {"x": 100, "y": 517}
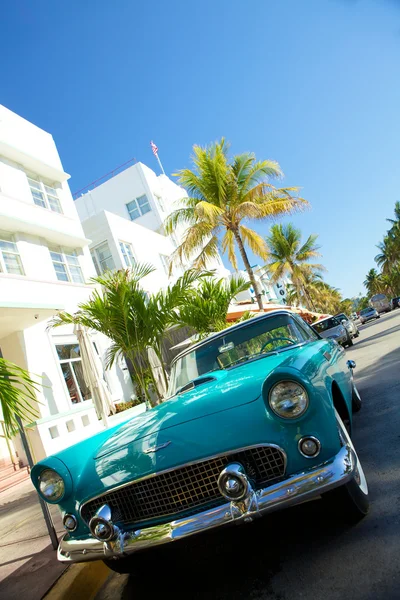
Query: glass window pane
{"x": 68, "y": 351}
{"x": 78, "y": 370}
{"x": 61, "y": 272}
{"x": 50, "y": 190}
{"x": 72, "y": 259}
{"x": 76, "y": 274}
{"x": 54, "y": 204}
{"x": 38, "y": 199}
{"x": 134, "y": 214}
{"x": 131, "y": 205}
{"x": 13, "y": 263}
{"x": 8, "y": 246}
{"x": 70, "y": 383}
{"x": 142, "y": 200}
{"x": 56, "y": 256}
{"x": 34, "y": 184}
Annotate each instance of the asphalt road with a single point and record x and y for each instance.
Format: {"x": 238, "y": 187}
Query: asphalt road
{"x": 304, "y": 552}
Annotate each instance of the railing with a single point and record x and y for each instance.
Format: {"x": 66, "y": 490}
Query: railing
{"x": 105, "y": 178}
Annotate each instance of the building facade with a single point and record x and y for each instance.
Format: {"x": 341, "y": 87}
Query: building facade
{"x": 124, "y": 218}
{"x": 45, "y": 266}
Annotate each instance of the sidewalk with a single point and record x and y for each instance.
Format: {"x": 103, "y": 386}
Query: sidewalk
{"x": 28, "y": 563}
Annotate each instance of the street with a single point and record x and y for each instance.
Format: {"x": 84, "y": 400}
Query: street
{"x": 305, "y": 552}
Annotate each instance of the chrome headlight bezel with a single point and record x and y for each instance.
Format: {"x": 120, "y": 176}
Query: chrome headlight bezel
{"x": 303, "y": 401}
{"x": 49, "y": 480}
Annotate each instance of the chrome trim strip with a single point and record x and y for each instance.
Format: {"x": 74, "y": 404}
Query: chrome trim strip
{"x": 297, "y": 488}
{"x": 188, "y": 464}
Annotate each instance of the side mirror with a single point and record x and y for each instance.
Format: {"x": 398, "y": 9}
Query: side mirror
{"x": 344, "y": 321}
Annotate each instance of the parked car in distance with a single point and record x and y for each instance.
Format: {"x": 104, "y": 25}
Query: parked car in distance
{"x": 349, "y": 324}
{"x": 354, "y": 316}
{"x": 396, "y": 302}
{"x": 366, "y": 314}
{"x": 259, "y": 418}
{"x": 331, "y": 327}
{"x": 381, "y": 303}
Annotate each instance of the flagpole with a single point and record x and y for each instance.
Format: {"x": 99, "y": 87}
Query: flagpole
{"x": 159, "y": 162}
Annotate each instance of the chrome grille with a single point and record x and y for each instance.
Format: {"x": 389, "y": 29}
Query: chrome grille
{"x": 190, "y": 488}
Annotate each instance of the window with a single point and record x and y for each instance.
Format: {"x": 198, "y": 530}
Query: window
{"x": 127, "y": 253}
{"x": 165, "y": 262}
{"x": 138, "y": 207}
{"x": 69, "y": 356}
{"x": 102, "y": 258}
{"x": 10, "y": 261}
{"x": 66, "y": 265}
{"x": 44, "y": 195}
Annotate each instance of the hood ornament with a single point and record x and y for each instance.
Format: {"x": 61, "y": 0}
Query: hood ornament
{"x": 156, "y": 448}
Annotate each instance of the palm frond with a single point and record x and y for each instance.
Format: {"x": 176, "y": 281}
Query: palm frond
{"x": 17, "y": 396}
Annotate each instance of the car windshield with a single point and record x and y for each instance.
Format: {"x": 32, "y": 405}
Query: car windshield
{"x": 257, "y": 339}
{"x": 365, "y": 311}
{"x": 342, "y": 317}
{"x": 326, "y": 324}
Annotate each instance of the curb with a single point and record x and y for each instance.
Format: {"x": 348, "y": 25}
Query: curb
{"x": 80, "y": 582}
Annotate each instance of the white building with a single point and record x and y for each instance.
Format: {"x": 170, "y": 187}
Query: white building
{"x": 45, "y": 264}
{"x": 275, "y": 293}
{"x": 124, "y": 218}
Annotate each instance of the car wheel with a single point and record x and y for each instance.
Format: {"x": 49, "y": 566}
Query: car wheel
{"x": 349, "y": 341}
{"x": 356, "y": 401}
{"x": 349, "y": 501}
{"x": 357, "y": 334}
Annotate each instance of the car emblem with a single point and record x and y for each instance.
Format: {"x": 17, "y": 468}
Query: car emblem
{"x": 156, "y": 448}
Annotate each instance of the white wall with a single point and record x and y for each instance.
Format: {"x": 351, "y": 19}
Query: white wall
{"x": 147, "y": 245}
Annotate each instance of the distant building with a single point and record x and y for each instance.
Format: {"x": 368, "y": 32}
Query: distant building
{"x": 275, "y": 293}
{"x": 45, "y": 266}
{"x": 124, "y": 219}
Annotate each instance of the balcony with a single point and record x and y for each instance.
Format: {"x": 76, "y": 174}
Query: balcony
{"x": 24, "y": 217}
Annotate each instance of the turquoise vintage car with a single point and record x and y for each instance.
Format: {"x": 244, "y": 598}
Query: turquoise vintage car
{"x": 259, "y": 418}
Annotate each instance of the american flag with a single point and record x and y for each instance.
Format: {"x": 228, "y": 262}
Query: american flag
{"x": 154, "y": 148}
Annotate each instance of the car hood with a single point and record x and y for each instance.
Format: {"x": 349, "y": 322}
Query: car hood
{"x": 227, "y": 389}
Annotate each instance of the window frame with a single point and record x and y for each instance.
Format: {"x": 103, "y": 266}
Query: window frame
{"x": 3, "y": 265}
{"x": 96, "y": 260}
{"x": 69, "y": 361}
{"x": 65, "y": 253}
{"x": 137, "y": 207}
{"x": 43, "y": 190}
{"x": 126, "y": 250}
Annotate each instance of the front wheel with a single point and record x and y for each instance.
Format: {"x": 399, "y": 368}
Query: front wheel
{"x": 349, "y": 501}
{"x": 349, "y": 342}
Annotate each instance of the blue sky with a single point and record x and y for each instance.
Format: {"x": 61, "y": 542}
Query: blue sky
{"x": 313, "y": 84}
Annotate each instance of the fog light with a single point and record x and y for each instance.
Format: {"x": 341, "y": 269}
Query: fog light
{"x": 233, "y": 483}
{"x": 69, "y": 522}
{"x": 309, "y": 446}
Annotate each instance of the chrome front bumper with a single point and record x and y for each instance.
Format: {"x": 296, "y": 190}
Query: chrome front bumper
{"x": 293, "y": 490}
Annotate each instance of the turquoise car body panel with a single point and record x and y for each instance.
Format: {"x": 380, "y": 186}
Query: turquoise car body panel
{"x": 217, "y": 417}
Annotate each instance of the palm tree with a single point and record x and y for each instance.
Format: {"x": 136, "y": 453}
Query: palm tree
{"x": 132, "y": 319}
{"x": 373, "y": 282}
{"x": 288, "y": 257}
{"x": 224, "y": 194}
{"x": 206, "y": 307}
{"x": 17, "y": 395}
{"x": 389, "y": 253}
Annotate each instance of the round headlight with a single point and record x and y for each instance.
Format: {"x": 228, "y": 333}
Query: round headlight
{"x": 51, "y": 485}
{"x": 288, "y": 399}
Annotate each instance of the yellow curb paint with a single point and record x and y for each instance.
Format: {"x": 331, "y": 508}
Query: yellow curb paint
{"x": 81, "y": 581}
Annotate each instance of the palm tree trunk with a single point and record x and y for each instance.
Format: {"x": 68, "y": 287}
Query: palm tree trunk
{"x": 249, "y": 270}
